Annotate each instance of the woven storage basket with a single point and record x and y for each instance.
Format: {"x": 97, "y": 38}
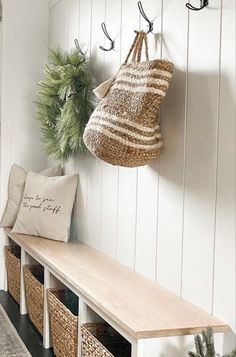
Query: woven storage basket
{"x": 125, "y": 129}
{"x": 33, "y": 276}
{"x": 98, "y": 341}
{"x": 64, "y": 325}
{"x": 13, "y": 265}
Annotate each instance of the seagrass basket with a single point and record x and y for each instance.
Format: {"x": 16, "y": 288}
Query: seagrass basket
{"x": 100, "y": 340}
{"x": 64, "y": 324}
{"x": 13, "y": 266}
{"x": 34, "y": 278}
{"x": 124, "y": 129}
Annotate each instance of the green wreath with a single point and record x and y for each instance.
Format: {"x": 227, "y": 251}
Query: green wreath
{"x": 65, "y": 103}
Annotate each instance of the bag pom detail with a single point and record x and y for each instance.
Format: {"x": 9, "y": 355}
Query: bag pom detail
{"x": 103, "y": 88}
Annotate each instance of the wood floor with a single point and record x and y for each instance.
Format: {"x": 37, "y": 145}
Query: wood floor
{"x": 26, "y": 330}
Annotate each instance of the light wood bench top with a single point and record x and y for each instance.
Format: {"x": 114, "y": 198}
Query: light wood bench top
{"x": 141, "y": 308}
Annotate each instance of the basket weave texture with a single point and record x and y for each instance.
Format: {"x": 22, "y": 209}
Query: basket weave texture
{"x": 124, "y": 129}
{"x": 64, "y": 325}
{"x": 33, "y": 275}
{"x": 13, "y": 265}
{"x": 97, "y": 342}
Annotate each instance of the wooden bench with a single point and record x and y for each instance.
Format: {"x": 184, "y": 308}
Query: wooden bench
{"x": 137, "y": 308}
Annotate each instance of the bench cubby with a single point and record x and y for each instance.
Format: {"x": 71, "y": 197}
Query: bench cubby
{"x": 34, "y": 289}
{"x": 63, "y": 316}
{"x": 13, "y": 270}
{"x": 141, "y": 312}
{"x": 100, "y": 339}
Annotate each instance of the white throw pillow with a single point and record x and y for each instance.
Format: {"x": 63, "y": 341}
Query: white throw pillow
{"x": 16, "y": 185}
{"x": 46, "y": 206}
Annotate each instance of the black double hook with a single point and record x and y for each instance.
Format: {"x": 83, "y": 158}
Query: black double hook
{"x": 78, "y": 47}
{"x": 203, "y": 4}
{"x": 150, "y": 23}
{"x": 112, "y": 46}
{"x": 112, "y": 42}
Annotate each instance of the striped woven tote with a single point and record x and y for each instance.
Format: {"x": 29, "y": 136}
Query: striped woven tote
{"x": 124, "y": 129}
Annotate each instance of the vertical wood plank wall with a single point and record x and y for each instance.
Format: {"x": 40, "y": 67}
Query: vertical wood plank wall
{"x": 172, "y": 221}
{"x": 24, "y": 40}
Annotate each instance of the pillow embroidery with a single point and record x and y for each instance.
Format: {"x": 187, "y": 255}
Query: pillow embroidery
{"x": 40, "y": 203}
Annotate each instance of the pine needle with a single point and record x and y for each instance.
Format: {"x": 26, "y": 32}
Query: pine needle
{"x": 205, "y": 345}
{"x": 65, "y": 103}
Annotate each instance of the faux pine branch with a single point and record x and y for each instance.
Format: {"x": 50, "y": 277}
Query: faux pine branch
{"x": 205, "y": 345}
{"x": 65, "y": 103}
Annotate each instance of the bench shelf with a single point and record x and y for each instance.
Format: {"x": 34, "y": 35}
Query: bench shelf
{"x": 137, "y": 308}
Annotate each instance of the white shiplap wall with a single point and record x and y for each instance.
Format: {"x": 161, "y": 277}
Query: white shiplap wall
{"x": 24, "y": 49}
{"x": 174, "y": 220}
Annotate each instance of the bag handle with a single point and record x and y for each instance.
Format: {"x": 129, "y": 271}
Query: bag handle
{"x": 136, "y": 48}
{"x": 132, "y": 47}
{"x": 139, "y": 52}
{"x": 146, "y": 46}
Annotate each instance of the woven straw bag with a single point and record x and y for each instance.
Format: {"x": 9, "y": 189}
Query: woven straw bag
{"x": 124, "y": 129}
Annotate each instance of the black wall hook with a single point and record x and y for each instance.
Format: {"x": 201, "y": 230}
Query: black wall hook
{"x": 78, "y": 47}
{"x": 203, "y": 4}
{"x": 150, "y": 23}
{"x": 104, "y": 29}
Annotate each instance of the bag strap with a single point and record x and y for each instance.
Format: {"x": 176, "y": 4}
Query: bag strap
{"x": 146, "y": 46}
{"x": 132, "y": 47}
{"x": 139, "y": 47}
{"x": 136, "y": 47}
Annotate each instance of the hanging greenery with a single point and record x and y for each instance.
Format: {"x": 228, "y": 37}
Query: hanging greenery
{"x": 65, "y": 103}
{"x": 205, "y": 345}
